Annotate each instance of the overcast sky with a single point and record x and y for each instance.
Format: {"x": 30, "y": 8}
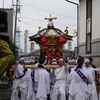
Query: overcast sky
{"x": 33, "y": 12}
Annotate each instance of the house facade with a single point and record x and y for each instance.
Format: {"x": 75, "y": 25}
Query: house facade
{"x": 6, "y": 24}
{"x": 89, "y": 33}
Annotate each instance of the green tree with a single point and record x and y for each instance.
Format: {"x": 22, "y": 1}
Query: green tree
{"x": 13, "y": 47}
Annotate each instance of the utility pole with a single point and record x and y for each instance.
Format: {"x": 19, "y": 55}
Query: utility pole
{"x": 15, "y": 22}
{"x": 77, "y": 21}
{"x": 18, "y": 38}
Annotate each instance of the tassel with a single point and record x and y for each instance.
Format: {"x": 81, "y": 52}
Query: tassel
{"x": 19, "y": 94}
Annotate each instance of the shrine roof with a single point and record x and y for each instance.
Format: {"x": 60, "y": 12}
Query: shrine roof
{"x": 47, "y": 32}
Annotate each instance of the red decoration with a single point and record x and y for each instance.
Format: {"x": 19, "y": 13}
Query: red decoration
{"x": 44, "y": 42}
{"x": 61, "y": 41}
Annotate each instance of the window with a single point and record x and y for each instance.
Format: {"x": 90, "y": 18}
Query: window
{"x": 3, "y": 21}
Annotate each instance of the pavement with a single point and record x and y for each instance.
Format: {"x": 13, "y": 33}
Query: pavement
{"x": 5, "y": 92}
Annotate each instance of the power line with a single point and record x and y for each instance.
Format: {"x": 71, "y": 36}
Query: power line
{"x": 33, "y": 19}
{"x": 32, "y": 6}
{"x": 28, "y": 34}
{"x": 30, "y": 24}
{"x": 45, "y": 21}
{"x": 32, "y": 33}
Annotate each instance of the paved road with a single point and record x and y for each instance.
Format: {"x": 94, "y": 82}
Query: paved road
{"x": 5, "y": 93}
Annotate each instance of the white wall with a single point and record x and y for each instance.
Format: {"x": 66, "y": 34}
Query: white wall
{"x": 10, "y": 24}
{"x": 82, "y": 16}
{"x": 95, "y": 19}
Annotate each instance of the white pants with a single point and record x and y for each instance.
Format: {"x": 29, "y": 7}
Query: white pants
{"x": 59, "y": 93}
{"x": 42, "y": 99}
{"x": 51, "y": 91}
{"x": 23, "y": 95}
{"x": 92, "y": 88}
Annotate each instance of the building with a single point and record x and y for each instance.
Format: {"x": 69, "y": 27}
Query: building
{"x": 89, "y": 33}
{"x": 6, "y": 24}
{"x": 36, "y": 53}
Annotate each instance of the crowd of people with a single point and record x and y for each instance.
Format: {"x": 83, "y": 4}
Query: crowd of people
{"x": 37, "y": 80}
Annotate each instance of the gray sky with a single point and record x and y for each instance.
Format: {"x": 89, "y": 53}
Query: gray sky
{"x": 33, "y": 13}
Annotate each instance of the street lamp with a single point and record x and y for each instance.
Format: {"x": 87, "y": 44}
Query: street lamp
{"x": 77, "y": 20}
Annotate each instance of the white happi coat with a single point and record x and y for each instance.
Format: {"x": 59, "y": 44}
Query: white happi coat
{"x": 59, "y": 92}
{"x": 52, "y": 80}
{"x": 78, "y": 89}
{"x": 92, "y": 87}
{"x": 25, "y": 84}
{"x": 42, "y": 82}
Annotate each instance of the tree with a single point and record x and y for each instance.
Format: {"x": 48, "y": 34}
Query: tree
{"x": 14, "y": 49}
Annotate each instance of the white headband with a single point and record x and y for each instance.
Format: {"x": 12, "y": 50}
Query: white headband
{"x": 61, "y": 59}
{"x": 69, "y": 61}
{"x": 54, "y": 60}
{"x": 86, "y": 60}
{"x": 73, "y": 60}
{"x": 26, "y": 61}
{"x": 32, "y": 60}
{"x": 22, "y": 58}
{"x": 54, "y": 63}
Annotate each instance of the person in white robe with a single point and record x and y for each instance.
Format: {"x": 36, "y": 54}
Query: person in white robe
{"x": 69, "y": 62}
{"x": 26, "y": 62}
{"x": 41, "y": 80}
{"x": 73, "y": 62}
{"x": 59, "y": 92}
{"x": 52, "y": 78}
{"x": 92, "y": 87}
{"x": 78, "y": 89}
{"x": 22, "y": 83}
{"x": 32, "y": 61}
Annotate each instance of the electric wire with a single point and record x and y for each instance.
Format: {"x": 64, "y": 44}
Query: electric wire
{"x": 46, "y": 22}
{"x": 35, "y": 7}
{"x": 31, "y": 24}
